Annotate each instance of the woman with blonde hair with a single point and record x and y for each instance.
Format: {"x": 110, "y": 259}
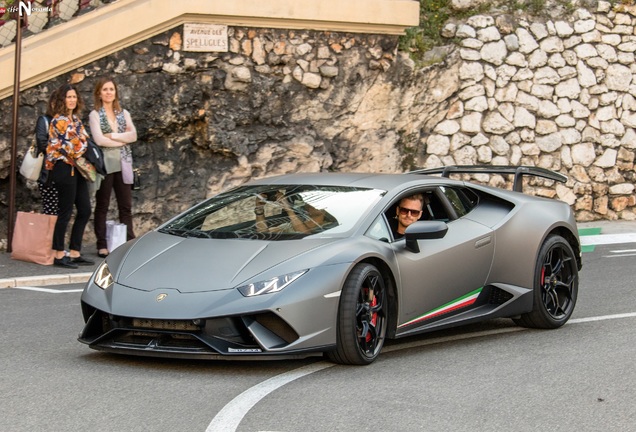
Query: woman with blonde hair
{"x": 113, "y": 130}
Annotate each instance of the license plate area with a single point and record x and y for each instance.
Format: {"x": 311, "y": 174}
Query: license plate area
{"x": 173, "y": 325}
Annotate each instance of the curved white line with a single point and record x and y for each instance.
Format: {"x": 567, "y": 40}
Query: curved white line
{"x": 228, "y": 419}
{"x": 231, "y": 415}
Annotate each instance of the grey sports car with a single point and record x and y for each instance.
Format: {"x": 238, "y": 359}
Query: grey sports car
{"x": 312, "y": 264}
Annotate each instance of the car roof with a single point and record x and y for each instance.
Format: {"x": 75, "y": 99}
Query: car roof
{"x": 363, "y": 180}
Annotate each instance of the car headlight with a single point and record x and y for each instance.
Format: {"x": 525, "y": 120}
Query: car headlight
{"x": 271, "y": 285}
{"x": 103, "y": 278}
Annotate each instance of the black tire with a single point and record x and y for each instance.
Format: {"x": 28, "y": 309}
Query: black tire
{"x": 362, "y": 317}
{"x": 556, "y": 286}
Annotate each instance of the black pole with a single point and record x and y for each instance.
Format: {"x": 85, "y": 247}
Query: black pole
{"x": 14, "y": 134}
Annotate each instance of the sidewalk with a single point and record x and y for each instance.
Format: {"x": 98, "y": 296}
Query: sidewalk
{"x": 19, "y": 273}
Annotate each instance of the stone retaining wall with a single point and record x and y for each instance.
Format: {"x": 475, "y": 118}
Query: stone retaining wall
{"x": 557, "y": 94}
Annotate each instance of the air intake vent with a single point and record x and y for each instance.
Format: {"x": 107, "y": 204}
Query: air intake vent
{"x": 498, "y": 296}
{"x": 277, "y": 326}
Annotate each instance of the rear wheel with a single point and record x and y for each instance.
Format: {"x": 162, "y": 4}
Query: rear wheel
{"x": 556, "y": 286}
{"x": 362, "y": 317}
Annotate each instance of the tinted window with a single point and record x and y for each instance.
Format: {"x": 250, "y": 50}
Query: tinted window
{"x": 275, "y": 212}
{"x": 463, "y": 200}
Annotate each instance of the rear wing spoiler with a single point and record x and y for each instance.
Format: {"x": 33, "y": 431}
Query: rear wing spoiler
{"x": 517, "y": 171}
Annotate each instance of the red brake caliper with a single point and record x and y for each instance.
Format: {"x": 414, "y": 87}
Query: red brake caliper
{"x": 374, "y": 317}
{"x": 543, "y": 282}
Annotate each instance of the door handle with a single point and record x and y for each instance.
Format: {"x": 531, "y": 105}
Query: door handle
{"x": 483, "y": 242}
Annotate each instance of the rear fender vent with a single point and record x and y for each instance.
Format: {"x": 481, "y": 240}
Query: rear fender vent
{"x": 497, "y": 296}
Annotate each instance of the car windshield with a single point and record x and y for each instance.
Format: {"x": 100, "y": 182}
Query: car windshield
{"x": 276, "y": 212}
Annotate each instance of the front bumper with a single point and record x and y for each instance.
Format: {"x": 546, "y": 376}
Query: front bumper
{"x": 262, "y": 335}
{"x": 297, "y": 322}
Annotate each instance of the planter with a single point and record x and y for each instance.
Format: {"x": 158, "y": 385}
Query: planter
{"x": 38, "y": 19}
{"x": 7, "y": 32}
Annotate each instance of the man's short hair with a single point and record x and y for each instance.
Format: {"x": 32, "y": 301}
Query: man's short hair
{"x": 416, "y": 197}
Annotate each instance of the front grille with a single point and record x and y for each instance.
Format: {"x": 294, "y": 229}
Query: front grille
{"x": 161, "y": 341}
{"x": 174, "y": 325}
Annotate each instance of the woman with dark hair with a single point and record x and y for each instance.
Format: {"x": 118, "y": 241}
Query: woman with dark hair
{"x": 67, "y": 143}
{"x": 113, "y": 130}
{"x": 47, "y": 192}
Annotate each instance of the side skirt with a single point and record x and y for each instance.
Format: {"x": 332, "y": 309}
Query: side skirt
{"x": 494, "y": 301}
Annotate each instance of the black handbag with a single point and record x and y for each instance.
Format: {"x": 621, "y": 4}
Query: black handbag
{"x": 95, "y": 156}
{"x": 136, "y": 179}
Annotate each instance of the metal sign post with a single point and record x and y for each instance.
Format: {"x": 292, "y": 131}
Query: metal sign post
{"x": 14, "y": 131}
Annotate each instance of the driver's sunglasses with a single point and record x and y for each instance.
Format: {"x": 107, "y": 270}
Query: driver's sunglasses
{"x": 404, "y": 211}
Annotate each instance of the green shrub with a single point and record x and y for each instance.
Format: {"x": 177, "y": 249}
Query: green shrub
{"x": 434, "y": 14}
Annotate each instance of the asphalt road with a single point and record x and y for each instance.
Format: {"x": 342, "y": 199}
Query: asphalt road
{"x": 495, "y": 376}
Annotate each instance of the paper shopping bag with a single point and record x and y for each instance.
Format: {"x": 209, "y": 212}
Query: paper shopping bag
{"x": 115, "y": 235}
{"x": 33, "y": 238}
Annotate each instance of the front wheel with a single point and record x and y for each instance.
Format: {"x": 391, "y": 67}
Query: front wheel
{"x": 362, "y": 317}
{"x": 556, "y": 286}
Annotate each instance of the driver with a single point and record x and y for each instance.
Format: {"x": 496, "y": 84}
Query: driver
{"x": 408, "y": 211}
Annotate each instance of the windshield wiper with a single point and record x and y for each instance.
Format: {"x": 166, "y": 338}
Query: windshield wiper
{"x": 197, "y": 234}
{"x": 182, "y": 232}
{"x": 176, "y": 231}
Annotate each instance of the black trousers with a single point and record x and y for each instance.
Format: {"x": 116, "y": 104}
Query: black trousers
{"x": 72, "y": 190}
{"x": 123, "y": 195}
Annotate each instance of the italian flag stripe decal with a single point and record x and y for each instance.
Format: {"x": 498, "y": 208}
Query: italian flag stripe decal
{"x": 459, "y": 303}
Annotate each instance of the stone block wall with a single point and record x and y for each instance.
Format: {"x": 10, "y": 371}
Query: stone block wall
{"x": 556, "y": 94}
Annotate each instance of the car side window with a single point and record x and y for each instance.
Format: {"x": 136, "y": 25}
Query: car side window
{"x": 433, "y": 207}
{"x": 379, "y": 230}
{"x": 463, "y": 200}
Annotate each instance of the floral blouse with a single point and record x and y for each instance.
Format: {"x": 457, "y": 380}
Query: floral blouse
{"x": 68, "y": 135}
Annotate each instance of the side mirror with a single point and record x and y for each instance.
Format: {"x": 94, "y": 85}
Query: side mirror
{"x": 423, "y": 230}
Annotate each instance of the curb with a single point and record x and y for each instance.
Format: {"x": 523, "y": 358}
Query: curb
{"x": 71, "y": 278}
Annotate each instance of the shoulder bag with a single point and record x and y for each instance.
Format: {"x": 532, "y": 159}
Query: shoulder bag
{"x": 33, "y": 238}
{"x": 83, "y": 166}
{"x": 95, "y": 156}
{"x": 32, "y": 164}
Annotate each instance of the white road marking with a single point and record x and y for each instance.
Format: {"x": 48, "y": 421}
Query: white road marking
{"x": 619, "y": 253}
{"x": 602, "y": 318}
{"x": 231, "y": 415}
{"x": 619, "y": 256}
{"x": 602, "y": 239}
{"x": 48, "y": 290}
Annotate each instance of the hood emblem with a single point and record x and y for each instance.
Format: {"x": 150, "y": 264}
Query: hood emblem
{"x": 161, "y": 297}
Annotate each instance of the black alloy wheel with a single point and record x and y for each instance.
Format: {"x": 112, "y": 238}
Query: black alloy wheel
{"x": 556, "y": 286}
{"x": 362, "y": 317}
